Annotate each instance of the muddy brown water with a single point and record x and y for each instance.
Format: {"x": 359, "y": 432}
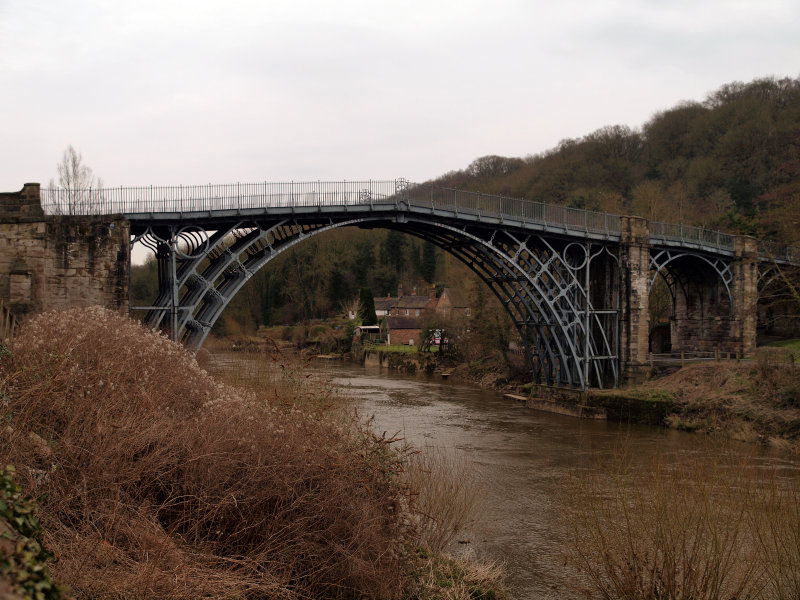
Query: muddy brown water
{"x": 523, "y": 458}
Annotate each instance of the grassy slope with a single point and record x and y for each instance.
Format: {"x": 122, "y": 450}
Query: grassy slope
{"x": 755, "y": 401}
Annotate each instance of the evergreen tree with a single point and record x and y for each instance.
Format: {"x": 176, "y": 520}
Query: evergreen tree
{"x": 366, "y": 308}
{"x": 385, "y": 281}
{"x": 416, "y": 258}
{"x": 144, "y": 282}
{"x": 338, "y": 290}
{"x": 267, "y": 290}
{"x": 364, "y": 261}
{"x": 428, "y": 270}
{"x": 393, "y": 251}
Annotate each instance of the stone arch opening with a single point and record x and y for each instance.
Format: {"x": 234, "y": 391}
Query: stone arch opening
{"x": 691, "y": 304}
{"x": 778, "y": 302}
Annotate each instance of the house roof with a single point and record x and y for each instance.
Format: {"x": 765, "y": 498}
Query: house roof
{"x": 413, "y": 301}
{"x": 384, "y": 303}
{"x": 458, "y": 299}
{"x": 402, "y": 323}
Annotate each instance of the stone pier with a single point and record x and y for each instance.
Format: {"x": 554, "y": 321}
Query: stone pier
{"x": 634, "y": 258}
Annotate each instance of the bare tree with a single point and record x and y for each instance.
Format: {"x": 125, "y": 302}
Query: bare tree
{"x": 779, "y": 298}
{"x": 79, "y": 189}
{"x": 350, "y": 307}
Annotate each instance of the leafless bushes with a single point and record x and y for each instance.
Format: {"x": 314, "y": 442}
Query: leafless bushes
{"x": 776, "y": 526}
{"x": 158, "y": 482}
{"x": 693, "y": 529}
{"x": 441, "y": 490}
{"x": 446, "y": 495}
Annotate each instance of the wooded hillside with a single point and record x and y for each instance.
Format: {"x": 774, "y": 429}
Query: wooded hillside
{"x": 731, "y": 161}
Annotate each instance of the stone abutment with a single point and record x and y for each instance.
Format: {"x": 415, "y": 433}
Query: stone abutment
{"x": 57, "y": 262}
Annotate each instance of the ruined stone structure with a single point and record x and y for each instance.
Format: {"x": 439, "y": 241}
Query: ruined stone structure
{"x": 55, "y": 262}
{"x": 576, "y": 284}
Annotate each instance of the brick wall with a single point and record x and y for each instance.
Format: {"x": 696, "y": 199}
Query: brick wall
{"x": 403, "y": 336}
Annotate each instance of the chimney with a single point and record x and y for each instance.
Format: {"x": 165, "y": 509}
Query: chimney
{"x": 414, "y": 291}
{"x": 433, "y": 292}
{"x": 400, "y": 290}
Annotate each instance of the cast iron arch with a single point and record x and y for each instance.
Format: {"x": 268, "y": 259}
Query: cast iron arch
{"x": 536, "y": 279}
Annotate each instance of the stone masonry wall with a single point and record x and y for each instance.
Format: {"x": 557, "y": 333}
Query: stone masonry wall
{"x": 56, "y": 262}
{"x": 705, "y": 334}
{"x": 705, "y": 320}
{"x": 702, "y": 320}
{"x": 745, "y": 294}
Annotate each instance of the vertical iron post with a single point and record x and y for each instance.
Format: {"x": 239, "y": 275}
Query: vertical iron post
{"x": 587, "y": 259}
{"x": 174, "y": 283}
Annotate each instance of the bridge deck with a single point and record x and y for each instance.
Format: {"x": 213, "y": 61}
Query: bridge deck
{"x": 211, "y": 205}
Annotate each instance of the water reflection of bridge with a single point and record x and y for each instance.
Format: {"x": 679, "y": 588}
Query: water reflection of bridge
{"x": 576, "y": 283}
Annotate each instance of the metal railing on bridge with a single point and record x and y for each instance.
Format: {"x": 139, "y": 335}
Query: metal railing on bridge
{"x": 241, "y": 196}
{"x": 211, "y": 197}
{"x": 689, "y": 234}
{"x": 549, "y": 215}
{"x": 245, "y": 196}
{"x": 773, "y": 251}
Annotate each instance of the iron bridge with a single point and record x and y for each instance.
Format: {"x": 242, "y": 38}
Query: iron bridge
{"x": 556, "y": 270}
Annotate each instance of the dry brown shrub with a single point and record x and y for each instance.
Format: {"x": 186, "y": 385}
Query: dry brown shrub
{"x": 671, "y": 530}
{"x": 445, "y": 492}
{"x": 777, "y": 376}
{"x": 775, "y": 519}
{"x": 162, "y": 483}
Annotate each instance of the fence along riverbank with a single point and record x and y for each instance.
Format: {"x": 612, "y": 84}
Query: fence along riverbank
{"x": 8, "y": 322}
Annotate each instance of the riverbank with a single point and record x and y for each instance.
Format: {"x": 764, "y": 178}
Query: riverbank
{"x": 755, "y": 401}
{"x": 156, "y": 480}
{"x": 530, "y": 462}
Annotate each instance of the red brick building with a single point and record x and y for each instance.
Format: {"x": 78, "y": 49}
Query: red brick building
{"x": 403, "y": 330}
{"x": 402, "y": 315}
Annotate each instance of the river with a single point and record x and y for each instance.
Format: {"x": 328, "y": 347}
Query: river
{"x": 522, "y": 457}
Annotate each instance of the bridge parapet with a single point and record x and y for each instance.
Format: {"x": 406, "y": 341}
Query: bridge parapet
{"x": 181, "y": 202}
{"x": 688, "y": 236}
{"x": 218, "y": 197}
{"x": 779, "y": 253}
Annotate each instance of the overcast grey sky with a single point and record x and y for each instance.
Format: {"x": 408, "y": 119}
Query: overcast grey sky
{"x": 162, "y": 92}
